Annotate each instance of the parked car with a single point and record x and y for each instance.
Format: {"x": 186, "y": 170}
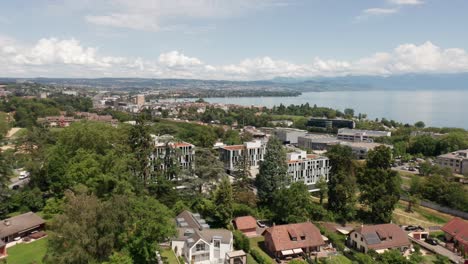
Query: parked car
{"x": 411, "y": 228}
{"x": 260, "y": 224}
{"x": 23, "y": 175}
{"x": 431, "y": 241}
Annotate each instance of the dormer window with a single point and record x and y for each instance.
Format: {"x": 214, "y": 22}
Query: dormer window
{"x": 303, "y": 237}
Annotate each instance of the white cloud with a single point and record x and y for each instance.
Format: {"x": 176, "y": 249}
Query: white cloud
{"x": 406, "y": 2}
{"x": 380, "y": 11}
{"x": 154, "y": 15}
{"x": 51, "y": 57}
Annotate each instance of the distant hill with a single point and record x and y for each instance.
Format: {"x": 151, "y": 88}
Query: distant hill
{"x": 396, "y": 82}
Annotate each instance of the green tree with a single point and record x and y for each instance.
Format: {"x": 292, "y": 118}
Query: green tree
{"x": 342, "y": 184}
{"x": 273, "y": 171}
{"x": 208, "y": 168}
{"x": 419, "y": 124}
{"x": 349, "y": 112}
{"x": 322, "y": 185}
{"x": 223, "y": 201}
{"x": 379, "y": 185}
{"x": 142, "y": 148}
{"x": 4, "y": 181}
{"x": 392, "y": 257}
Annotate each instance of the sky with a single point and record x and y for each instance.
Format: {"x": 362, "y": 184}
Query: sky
{"x": 231, "y": 39}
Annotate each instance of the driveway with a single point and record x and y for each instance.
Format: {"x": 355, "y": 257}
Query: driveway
{"x": 439, "y": 250}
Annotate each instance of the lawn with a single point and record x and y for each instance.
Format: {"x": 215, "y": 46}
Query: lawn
{"x": 257, "y": 244}
{"x": 168, "y": 256}
{"x": 420, "y": 216}
{"x": 32, "y": 252}
{"x": 339, "y": 260}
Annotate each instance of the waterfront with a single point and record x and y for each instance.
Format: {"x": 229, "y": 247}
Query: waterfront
{"x": 443, "y": 108}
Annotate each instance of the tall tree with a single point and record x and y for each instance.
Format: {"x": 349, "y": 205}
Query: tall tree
{"x": 242, "y": 172}
{"x": 273, "y": 171}
{"x": 223, "y": 200}
{"x": 208, "y": 168}
{"x": 379, "y": 185}
{"x": 322, "y": 185}
{"x": 142, "y": 148}
{"x": 4, "y": 181}
{"x": 342, "y": 184}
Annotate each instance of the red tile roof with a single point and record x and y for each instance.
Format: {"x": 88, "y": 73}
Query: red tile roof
{"x": 282, "y": 236}
{"x": 245, "y": 222}
{"x": 389, "y": 236}
{"x": 182, "y": 144}
{"x": 458, "y": 228}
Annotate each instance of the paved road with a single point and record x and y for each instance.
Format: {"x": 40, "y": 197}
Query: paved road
{"x": 439, "y": 250}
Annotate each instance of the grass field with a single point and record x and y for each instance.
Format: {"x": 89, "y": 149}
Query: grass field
{"x": 168, "y": 256}
{"x": 339, "y": 260}
{"x": 27, "y": 253}
{"x": 420, "y": 216}
{"x": 257, "y": 244}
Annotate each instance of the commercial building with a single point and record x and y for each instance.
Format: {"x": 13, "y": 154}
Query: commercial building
{"x": 140, "y": 100}
{"x": 284, "y": 241}
{"x": 360, "y": 149}
{"x": 197, "y": 243}
{"x": 166, "y": 145}
{"x": 253, "y": 152}
{"x": 307, "y": 168}
{"x": 361, "y": 135}
{"x": 331, "y": 123}
{"x": 317, "y": 141}
{"x": 457, "y": 161}
{"x": 379, "y": 238}
{"x": 288, "y": 135}
{"x": 17, "y": 227}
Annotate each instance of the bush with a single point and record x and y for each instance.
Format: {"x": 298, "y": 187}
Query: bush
{"x": 241, "y": 241}
{"x": 259, "y": 257}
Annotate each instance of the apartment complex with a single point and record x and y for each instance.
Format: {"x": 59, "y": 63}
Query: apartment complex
{"x": 457, "y": 161}
{"x": 166, "y": 145}
{"x": 254, "y": 152}
{"x": 361, "y": 135}
{"x": 197, "y": 243}
{"x": 307, "y": 168}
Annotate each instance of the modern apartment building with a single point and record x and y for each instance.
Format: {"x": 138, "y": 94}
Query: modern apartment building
{"x": 361, "y": 135}
{"x": 307, "y": 168}
{"x": 457, "y": 161}
{"x": 254, "y": 151}
{"x": 164, "y": 145}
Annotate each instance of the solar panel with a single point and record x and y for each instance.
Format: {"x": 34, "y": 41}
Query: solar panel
{"x": 372, "y": 238}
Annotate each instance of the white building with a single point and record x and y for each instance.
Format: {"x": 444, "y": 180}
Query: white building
{"x": 457, "y": 161}
{"x": 361, "y": 135}
{"x": 254, "y": 150}
{"x": 307, "y": 168}
{"x": 197, "y": 243}
{"x": 183, "y": 151}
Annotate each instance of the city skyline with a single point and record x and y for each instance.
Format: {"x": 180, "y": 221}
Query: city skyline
{"x": 233, "y": 40}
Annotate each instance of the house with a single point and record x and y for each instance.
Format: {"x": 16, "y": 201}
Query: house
{"x": 197, "y": 243}
{"x": 456, "y": 232}
{"x": 3, "y": 251}
{"x": 236, "y": 257}
{"x": 247, "y": 225}
{"x": 20, "y": 226}
{"x": 284, "y": 241}
{"x": 379, "y": 238}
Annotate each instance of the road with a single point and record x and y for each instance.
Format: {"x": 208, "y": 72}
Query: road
{"x": 439, "y": 250}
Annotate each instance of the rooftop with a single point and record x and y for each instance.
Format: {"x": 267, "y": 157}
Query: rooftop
{"x": 245, "y": 222}
{"x": 457, "y": 228}
{"x": 383, "y": 236}
{"x": 293, "y": 236}
{"x": 19, "y": 223}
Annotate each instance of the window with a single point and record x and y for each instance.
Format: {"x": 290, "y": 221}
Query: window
{"x": 200, "y": 247}
{"x": 355, "y": 235}
{"x": 217, "y": 243}
{"x": 361, "y": 239}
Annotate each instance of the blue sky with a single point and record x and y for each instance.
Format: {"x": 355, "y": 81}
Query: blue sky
{"x": 236, "y": 39}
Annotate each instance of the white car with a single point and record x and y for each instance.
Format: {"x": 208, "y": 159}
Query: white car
{"x": 23, "y": 175}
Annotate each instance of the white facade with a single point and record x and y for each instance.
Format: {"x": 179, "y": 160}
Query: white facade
{"x": 361, "y": 135}
{"x": 307, "y": 168}
{"x": 254, "y": 150}
{"x": 183, "y": 151}
{"x": 457, "y": 161}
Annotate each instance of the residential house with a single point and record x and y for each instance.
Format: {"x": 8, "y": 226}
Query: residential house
{"x": 20, "y": 226}
{"x": 287, "y": 241}
{"x": 307, "y": 168}
{"x": 247, "y": 225}
{"x": 457, "y": 161}
{"x": 379, "y": 238}
{"x": 197, "y": 243}
{"x": 456, "y": 234}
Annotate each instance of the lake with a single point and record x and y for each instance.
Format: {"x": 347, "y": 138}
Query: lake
{"x": 447, "y": 108}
